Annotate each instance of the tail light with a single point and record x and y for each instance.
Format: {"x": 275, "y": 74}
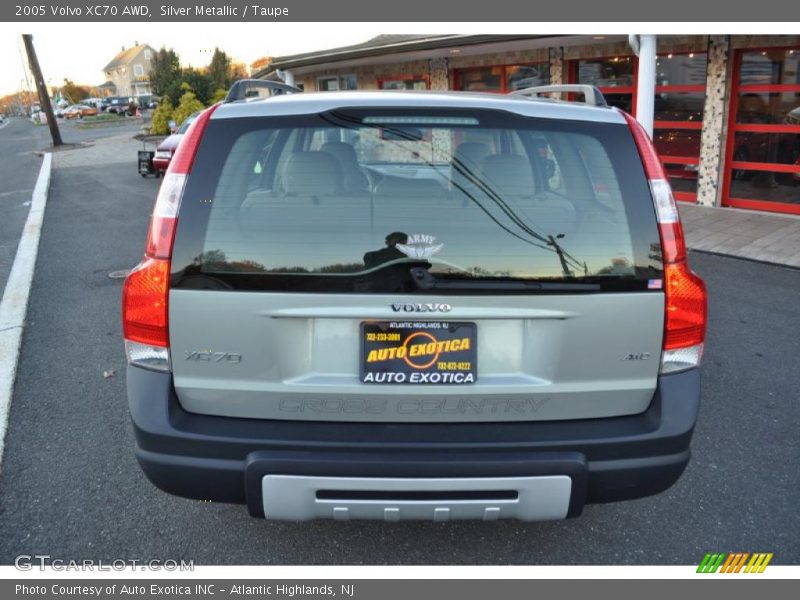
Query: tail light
{"x": 145, "y": 295}
{"x": 685, "y": 305}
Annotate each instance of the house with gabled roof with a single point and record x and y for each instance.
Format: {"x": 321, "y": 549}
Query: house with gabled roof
{"x": 128, "y": 73}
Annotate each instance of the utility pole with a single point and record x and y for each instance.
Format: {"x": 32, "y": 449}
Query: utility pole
{"x": 41, "y": 87}
{"x": 561, "y": 255}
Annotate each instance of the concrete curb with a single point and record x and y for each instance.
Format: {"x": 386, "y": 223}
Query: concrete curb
{"x": 14, "y": 304}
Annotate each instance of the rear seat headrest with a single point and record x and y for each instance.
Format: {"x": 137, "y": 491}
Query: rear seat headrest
{"x": 508, "y": 174}
{"x": 311, "y": 174}
{"x": 346, "y": 156}
{"x": 468, "y": 156}
{"x": 341, "y": 150}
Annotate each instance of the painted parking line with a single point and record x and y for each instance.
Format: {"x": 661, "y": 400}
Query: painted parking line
{"x": 14, "y": 304}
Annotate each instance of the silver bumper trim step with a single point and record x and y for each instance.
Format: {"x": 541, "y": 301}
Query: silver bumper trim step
{"x": 302, "y": 498}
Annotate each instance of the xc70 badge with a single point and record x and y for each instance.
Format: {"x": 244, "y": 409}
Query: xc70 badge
{"x": 216, "y": 357}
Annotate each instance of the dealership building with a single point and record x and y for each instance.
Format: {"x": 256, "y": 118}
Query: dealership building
{"x": 726, "y": 112}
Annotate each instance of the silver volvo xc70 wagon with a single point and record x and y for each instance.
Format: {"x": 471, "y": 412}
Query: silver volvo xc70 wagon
{"x": 397, "y": 305}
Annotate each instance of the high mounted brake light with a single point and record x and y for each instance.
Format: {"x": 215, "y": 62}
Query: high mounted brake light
{"x": 145, "y": 294}
{"x": 685, "y": 303}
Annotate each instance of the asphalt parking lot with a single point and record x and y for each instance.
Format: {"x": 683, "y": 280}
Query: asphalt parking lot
{"x": 70, "y": 486}
{"x": 20, "y": 145}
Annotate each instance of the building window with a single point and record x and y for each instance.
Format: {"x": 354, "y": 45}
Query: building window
{"x": 614, "y": 76}
{"x": 678, "y": 111}
{"x": 501, "y": 79}
{"x": 762, "y": 170}
{"x": 328, "y": 84}
{"x": 404, "y": 83}
{"x": 519, "y": 77}
{"x": 678, "y": 114}
{"x": 337, "y": 83}
{"x": 147, "y": 54}
{"x": 138, "y": 70}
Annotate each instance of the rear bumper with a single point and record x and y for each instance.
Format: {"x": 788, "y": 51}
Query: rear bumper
{"x": 225, "y": 459}
{"x": 161, "y": 163}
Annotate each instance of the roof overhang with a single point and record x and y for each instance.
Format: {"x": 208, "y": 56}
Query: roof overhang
{"x": 438, "y": 47}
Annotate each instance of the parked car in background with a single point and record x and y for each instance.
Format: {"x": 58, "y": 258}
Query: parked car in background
{"x": 678, "y": 142}
{"x": 146, "y": 101}
{"x": 95, "y": 102}
{"x": 120, "y": 105}
{"x": 78, "y": 111}
{"x": 166, "y": 149}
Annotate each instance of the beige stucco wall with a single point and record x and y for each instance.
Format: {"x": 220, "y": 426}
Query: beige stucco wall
{"x": 368, "y": 76}
{"x": 758, "y": 41}
{"x": 500, "y": 58}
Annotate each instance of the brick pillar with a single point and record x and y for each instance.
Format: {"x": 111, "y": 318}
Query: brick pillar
{"x": 557, "y": 66}
{"x": 712, "y": 142}
{"x": 440, "y": 74}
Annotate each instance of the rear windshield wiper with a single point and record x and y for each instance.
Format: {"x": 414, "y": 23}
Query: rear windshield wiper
{"x": 426, "y": 281}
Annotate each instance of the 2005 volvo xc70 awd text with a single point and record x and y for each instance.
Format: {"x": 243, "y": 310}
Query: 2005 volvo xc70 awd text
{"x": 397, "y": 305}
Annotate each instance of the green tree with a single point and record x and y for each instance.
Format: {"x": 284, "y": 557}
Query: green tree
{"x": 219, "y": 96}
{"x": 199, "y": 82}
{"x": 161, "y": 117}
{"x": 173, "y": 91}
{"x": 188, "y": 104}
{"x": 165, "y": 70}
{"x": 219, "y": 70}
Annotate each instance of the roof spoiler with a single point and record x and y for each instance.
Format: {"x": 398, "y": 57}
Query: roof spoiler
{"x": 591, "y": 95}
{"x": 248, "y": 88}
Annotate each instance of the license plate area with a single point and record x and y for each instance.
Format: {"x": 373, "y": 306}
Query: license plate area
{"x": 418, "y": 352}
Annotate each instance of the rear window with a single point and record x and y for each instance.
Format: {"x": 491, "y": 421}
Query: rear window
{"x": 356, "y": 201}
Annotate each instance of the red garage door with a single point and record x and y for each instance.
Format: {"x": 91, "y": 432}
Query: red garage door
{"x": 762, "y": 169}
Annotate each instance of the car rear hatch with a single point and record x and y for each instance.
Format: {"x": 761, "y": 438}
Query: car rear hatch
{"x": 416, "y": 265}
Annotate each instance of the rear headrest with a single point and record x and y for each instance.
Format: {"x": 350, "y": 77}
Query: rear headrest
{"x": 343, "y": 151}
{"x": 345, "y": 154}
{"x": 471, "y": 153}
{"x": 422, "y": 188}
{"x": 508, "y": 175}
{"x": 311, "y": 174}
{"x": 466, "y": 161}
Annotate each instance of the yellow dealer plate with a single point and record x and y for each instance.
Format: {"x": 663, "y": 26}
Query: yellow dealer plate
{"x": 418, "y": 352}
